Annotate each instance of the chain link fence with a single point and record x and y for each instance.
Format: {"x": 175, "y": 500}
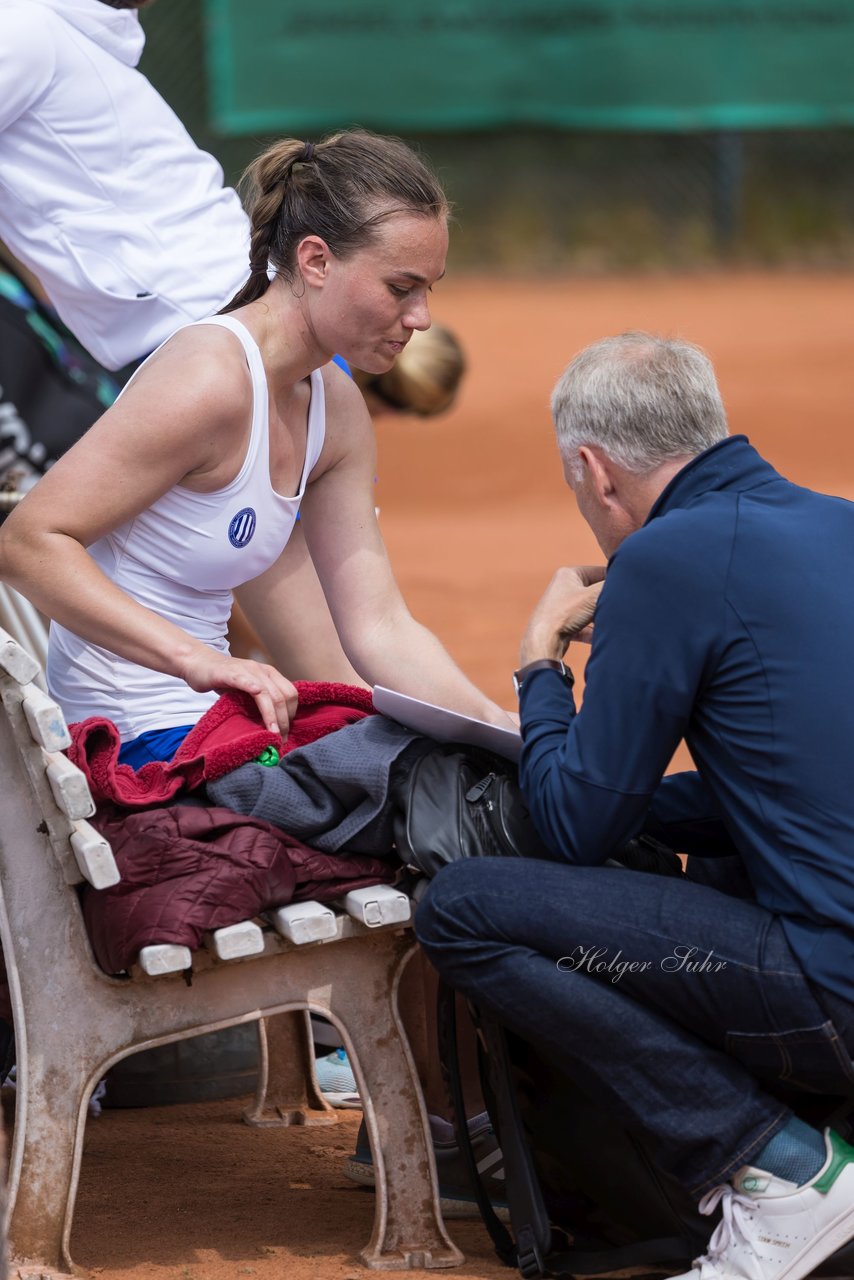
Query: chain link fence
{"x": 554, "y": 200}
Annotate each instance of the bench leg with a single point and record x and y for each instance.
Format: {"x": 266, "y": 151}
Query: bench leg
{"x": 50, "y": 1112}
{"x": 408, "y": 1227}
{"x": 287, "y": 1092}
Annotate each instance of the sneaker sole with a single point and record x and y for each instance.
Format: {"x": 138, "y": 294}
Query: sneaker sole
{"x": 451, "y": 1206}
{"x": 343, "y": 1101}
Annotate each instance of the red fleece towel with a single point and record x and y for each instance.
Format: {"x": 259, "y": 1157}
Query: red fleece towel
{"x": 228, "y": 735}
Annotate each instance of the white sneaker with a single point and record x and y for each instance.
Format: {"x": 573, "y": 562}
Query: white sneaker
{"x": 336, "y": 1081}
{"x": 775, "y": 1230}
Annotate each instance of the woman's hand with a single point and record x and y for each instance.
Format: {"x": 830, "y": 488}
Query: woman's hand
{"x": 276, "y": 697}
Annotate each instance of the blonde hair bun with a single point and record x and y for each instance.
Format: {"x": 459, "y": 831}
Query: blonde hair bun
{"x": 424, "y": 379}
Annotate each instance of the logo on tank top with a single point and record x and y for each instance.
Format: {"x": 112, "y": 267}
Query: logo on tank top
{"x": 242, "y": 528}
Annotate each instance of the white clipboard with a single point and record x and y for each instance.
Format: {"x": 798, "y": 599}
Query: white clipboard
{"x": 446, "y": 726}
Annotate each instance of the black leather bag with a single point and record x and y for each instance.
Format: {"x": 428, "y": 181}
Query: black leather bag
{"x": 454, "y": 802}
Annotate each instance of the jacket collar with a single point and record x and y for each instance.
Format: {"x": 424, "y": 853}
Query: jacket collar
{"x": 730, "y": 464}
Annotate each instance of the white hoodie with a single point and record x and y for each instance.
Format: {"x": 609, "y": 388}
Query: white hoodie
{"x": 103, "y": 193}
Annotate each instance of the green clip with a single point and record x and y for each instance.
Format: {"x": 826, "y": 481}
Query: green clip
{"x": 269, "y": 756}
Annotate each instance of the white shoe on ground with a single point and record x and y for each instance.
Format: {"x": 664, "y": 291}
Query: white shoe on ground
{"x": 336, "y": 1080}
{"x": 775, "y": 1230}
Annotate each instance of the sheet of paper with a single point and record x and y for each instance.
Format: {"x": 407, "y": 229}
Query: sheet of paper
{"x": 445, "y": 725}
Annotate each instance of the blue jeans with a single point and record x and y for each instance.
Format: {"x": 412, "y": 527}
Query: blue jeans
{"x": 669, "y": 1002}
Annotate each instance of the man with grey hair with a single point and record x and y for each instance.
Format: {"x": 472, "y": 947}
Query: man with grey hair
{"x": 680, "y": 1004}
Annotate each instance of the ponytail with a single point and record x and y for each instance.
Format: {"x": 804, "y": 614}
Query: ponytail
{"x": 266, "y": 182}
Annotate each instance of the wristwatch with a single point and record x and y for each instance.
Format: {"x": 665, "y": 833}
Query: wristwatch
{"x": 542, "y": 664}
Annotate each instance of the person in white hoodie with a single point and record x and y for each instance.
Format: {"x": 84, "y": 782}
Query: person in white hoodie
{"x": 104, "y": 195}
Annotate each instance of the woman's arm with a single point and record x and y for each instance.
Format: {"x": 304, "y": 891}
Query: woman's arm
{"x": 382, "y": 640}
{"x": 177, "y": 423}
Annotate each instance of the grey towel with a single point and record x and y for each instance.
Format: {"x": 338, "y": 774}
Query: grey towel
{"x": 332, "y": 794}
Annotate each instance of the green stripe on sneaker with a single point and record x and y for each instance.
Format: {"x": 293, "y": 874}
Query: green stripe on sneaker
{"x": 841, "y": 1154}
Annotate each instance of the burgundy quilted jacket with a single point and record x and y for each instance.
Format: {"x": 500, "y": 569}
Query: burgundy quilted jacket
{"x": 187, "y": 869}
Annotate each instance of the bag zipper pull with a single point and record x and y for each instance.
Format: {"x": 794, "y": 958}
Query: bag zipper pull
{"x": 476, "y": 792}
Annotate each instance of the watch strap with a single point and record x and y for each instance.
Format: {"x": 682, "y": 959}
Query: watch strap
{"x": 542, "y": 664}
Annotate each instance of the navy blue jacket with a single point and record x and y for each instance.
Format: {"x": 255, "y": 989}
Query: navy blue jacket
{"x": 727, "y": 620}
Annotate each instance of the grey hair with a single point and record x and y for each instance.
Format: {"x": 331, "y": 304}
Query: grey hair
{"x": 642, "y": 399}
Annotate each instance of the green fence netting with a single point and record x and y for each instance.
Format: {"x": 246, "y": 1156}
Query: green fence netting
{"x": 673, "y": 65}
{"x": 540, "y": 197}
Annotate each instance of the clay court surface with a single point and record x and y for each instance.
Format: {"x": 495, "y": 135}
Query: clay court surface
{"x": 476, "y": 518}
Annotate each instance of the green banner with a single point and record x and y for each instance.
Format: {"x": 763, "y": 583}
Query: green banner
{"x": 302, "y": 66}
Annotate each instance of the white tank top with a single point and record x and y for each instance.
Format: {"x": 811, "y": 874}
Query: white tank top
{"x": 182, "y": 558}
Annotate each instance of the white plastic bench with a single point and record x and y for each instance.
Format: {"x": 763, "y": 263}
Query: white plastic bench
{"x": 73, "y": 1021}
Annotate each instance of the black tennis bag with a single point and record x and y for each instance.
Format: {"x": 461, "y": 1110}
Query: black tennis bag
{"x": 454, "y": 802}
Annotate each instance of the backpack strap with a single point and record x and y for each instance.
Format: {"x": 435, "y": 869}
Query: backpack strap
{"x": 446, "y": 1019}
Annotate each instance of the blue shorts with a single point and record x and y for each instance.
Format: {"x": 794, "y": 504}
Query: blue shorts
{"x": 156, "y": 744}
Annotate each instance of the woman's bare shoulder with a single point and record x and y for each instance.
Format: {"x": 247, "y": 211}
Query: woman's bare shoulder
{"x": 345, "y": 404}
{"x": 200, "y": 372}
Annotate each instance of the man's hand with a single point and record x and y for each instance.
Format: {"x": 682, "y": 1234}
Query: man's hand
{"x": 564, "y": 613}
{"x": 275, "y": 697}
